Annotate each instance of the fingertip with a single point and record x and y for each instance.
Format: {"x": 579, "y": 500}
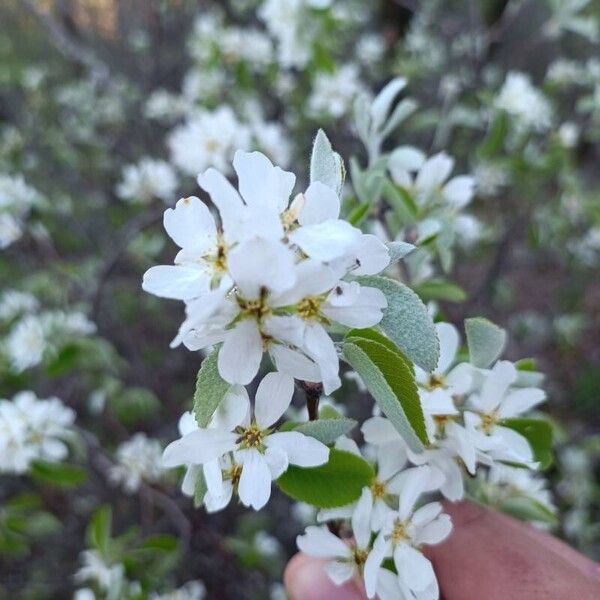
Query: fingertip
{"x": 305, "y": 579}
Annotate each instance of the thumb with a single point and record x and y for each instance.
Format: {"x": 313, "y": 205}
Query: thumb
{"x": 305, "y": 579}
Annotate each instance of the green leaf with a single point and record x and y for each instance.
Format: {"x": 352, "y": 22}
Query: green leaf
{"x": 485, "y": 340}
{"x": 391, "y": 382}
{"x": 539, "y": 435}
{"x": 494, "y": 140}
{"x": 358, "y": 213}
{"x": 161, "y": 542}
{"x": 401, "y": 202}
{"x": 211, "y": 388}
{"x": 528, "y": 509}
{"x": 377, "y": 336}
{"x": 338, "y": 482}
{"x": 440, "y": 289}
{"x": 58, "y": 474}
{"x": 328, "y": 412}
{"x": 326, "y": 165}
{"x": 99, "y": 529}
{"x": 399, "y": 250}
{"x": 327, "y": 430}
{"x": 407, "y": 322}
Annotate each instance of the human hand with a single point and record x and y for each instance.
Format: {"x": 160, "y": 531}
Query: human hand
{"x": 488, "y": 556}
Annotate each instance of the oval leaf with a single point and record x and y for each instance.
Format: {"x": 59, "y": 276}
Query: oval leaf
{"x": 338, "y": 482}
{"x": 326, "y": 165}
{"x": 406, "y": 322}
{"x": 211, "y": 388}
{"x": 485, "y": 340}
{"x": 391, "y": 382}
{"x": 327, "y": 430}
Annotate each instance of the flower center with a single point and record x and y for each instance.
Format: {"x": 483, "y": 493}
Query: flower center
{"x": 212, "y": 145}
{"x": 378, "y": 489}
{"x": 488, "y": 422}
{"x": 435, "y": 382}
{"x": 234, "y": 474}
{"x": 359, "y": 556}
{"x": 252, "y": 437}
{"x": 256, "y": 308}
{"x": 399, "y": 533}
{"x": 308, "y": 308}
{"x": 220, "y": 258}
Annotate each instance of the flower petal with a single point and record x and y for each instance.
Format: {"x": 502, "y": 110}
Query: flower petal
{"x": 321, "y": 543}
{"x": 198, "y": 447}
{"x": 520, "y": 401}
{"x": 255, "y": 481}
{"x": 320, "y": 204}
{"x": 273, "y": 397}
{"x": 241, "y": 353}
{"x": 190, "y": 225}
{"x": 302, "y": 450}
{"x": 176, "y": 282}
{"x": 449, "y": 341}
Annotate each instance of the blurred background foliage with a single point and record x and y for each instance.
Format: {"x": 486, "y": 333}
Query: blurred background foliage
{"x": 81, "y": 84}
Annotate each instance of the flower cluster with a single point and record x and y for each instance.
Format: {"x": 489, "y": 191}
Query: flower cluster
{"x": 16, "y": 200}
{"x": 33, "y": 429}
{"x": 34, "y": 336}
{"x": 271, "y": 275}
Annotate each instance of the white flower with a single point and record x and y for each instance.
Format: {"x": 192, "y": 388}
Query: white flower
{"x": 146, "y": 180}
{"x": 273, "y": 140}
{"x": 249, "y": 45}
{"x": 263, "y": 454}
{"x": 26, "y": 343}
{"x": 107, "y": 577}
{"x": 405, "y": 532}
{"x": 439, "y": 388}
{"x": 33, "y": 429}
{"x": 347, "y": 558}
{"x": 521, "y": 99}
{"x": 207, "y": 140}
{"x": 333, "y": 94}
{"x": 138, "y": 459}
{"x": 520, "y": 482}
{"x": 494, "y": 403}
{"x": 430, "y": 180}
{"x": 16, "y": 200}
{"x": 271, "y": 277}
{"x": 14, "y": 303}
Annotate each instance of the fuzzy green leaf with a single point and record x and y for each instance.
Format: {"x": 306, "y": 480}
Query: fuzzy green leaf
{"x": 326, "y": 165}
{"x": 327, "y": 430}
{"x": 211, "y": 388}
{"x": 391, "y": 382}
{"x": 485, "y": 340}
{"x": 336, "y": 483}
{"x": 58, "y": 474}
{"x": 528, "y": 509}
{"x": 407, "y": 322}
{"x": 440, "y": 289}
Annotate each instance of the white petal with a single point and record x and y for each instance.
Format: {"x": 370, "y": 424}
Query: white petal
{"x": 367, "y": 310}
{"x": 520, "y": 401}
{"x": 361, "y": 519}
{"x": 247, "y": 265}
{"x": 241, "y": 353}
{"x": 321, "y": 348}
{"x": 425, "y": 514}
{"x": 339, "y": 572}
{"x": 321, "y": 203}
{"x": 321, "y": 543}
{"x": 459, "y": 191}
{"x": 260, "y": 183}
{"x": 326, "y": 241}
{"x": 372, "y": 566}
{"x": 255, "y": 481}
{"x": 233, "y": 410}
{"x": 460, "y": 379}
{"x": 379, "y": 430}
{"x": 214, "y": 477}
{"x": 190, "y": 225}
{"x": 495, "y": 385}
{"x": 277, "y": 460}
{"x": 302, "y": 450}
{"x": 463, "y": 443}
{"x": 198, "y": 447}
{"x": 294, "y": 363}
{"x": 188, "y": 485}
{"x": 273, "y": 397}
{"x": 187, "y": 423}
{"x": 391, "y": 458}
{"x": 435, "y": 532}
{"x": 312, "y": 279}
{"x": 413, "y": 568}
{"x": 176, "y": 282}
{"x": 434, "y": 172}
{"x": 449, "y": 341}
{"x": 372, "y": 255}
{"x": 215, "y": 503}
{"x": 517, "y": 445}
